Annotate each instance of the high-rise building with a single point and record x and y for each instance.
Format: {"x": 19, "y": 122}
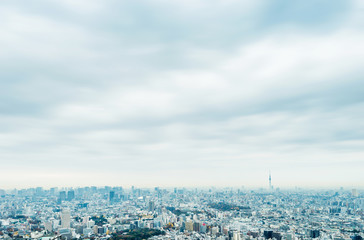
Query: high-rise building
{"x": 70, "y": 195}
{"x": 65, "y": 219}
{"x": 236, "y": 235}
{"x": 62, "y": 195}
{"x": 268, "y": 234}
{"x": 203, "y": 228}
{"x": 53, "y": 190}
{"x": 354, "y": 193}
{"x": 196, "y": 226}
{"x": 39, "y": 191}
{"x": 151, "y": 206}
{"x": 189, "y": 226}
{"x": 314, "y": 233}
{"x": 111, "y": 196}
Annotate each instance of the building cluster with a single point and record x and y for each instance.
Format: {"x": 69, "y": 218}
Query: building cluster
{"x": 180, "y": 213}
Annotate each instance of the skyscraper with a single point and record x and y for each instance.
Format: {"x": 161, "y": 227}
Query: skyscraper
{"x": 70, "y": 195}
{"x": 151, "y": 206}
{"x": 111, "y": 196}
{"x": 65, "y": 219}
{"x": 354, "y": 193}
{"x": 39, "y": 191}
{"x": 62, "y": 195}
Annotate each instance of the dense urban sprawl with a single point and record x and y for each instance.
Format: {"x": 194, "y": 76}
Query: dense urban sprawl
{"x": 181, "y": 213}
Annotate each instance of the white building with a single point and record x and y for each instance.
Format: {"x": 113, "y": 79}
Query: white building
{"x": 65, "y": 219}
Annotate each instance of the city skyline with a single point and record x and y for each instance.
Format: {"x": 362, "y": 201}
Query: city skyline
{"x": 182, "y": 93}
{"x": 117, "y": 213}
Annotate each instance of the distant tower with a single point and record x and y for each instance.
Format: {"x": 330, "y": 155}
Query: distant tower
{"x": 111, "y": 196}
{"x": 270, "y": 181}
{"x": 70, "y": 195}
{"x": 354, "y": 193}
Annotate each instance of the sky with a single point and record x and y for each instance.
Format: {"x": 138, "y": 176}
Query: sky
{"x": 181, "y": 93}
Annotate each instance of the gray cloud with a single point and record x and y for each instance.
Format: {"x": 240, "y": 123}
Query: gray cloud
{"x": 133, "y": 91}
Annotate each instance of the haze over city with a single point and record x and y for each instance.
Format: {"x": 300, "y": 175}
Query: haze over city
{"x": 182, "y": 93}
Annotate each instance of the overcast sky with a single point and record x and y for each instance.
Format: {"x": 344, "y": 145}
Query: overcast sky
{"x": 182, "y": 93}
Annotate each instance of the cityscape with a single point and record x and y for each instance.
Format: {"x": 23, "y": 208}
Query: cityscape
{"x": 181, "y": 120}
{"x": 181, "y": 213}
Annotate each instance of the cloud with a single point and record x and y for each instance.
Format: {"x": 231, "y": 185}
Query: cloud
{"x": 133, "y": 91}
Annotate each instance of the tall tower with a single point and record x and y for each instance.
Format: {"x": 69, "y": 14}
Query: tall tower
{"x": 270, "y": 181}
{"x": 66, "y": 218}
